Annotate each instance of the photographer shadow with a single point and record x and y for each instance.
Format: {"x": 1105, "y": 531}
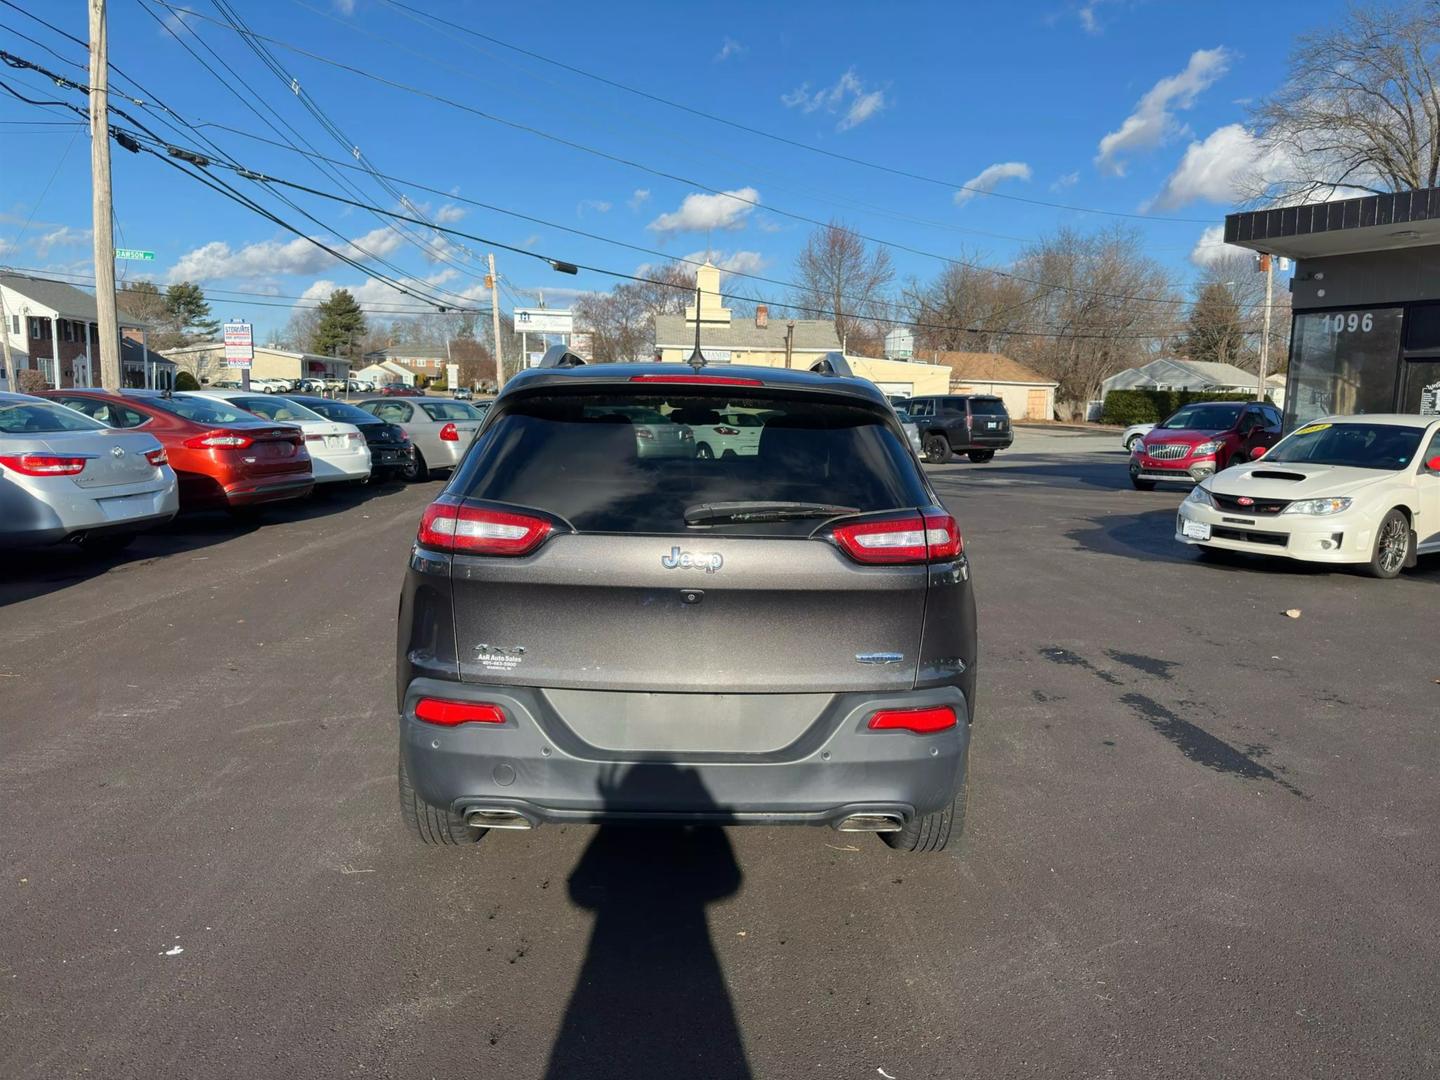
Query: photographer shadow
{"x": 651, "y": 999}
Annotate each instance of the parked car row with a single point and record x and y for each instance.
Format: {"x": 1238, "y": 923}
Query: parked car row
{"x": 1357, "y": 490}
{"x": 96, "y": 467}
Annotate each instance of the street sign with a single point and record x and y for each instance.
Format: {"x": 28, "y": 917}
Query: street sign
{"x": 135, "y": 253}
{"x": 239, "y": 344}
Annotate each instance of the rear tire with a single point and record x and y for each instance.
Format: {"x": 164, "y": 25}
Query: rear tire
{"x": 704, "y": 453}
{"x": 933, "y": 832}
{"x": 979, "y": 457}
{"x": 1394, "y": 547}
{"x": 428, "y": 824}
{"x": 417, "y": 470}
{"x": 937, "y": 449}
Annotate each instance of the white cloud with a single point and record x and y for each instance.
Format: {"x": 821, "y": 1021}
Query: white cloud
{"x": 1211, "y": 247}
{"x": 217, "y": 260}
{"x": 1069, "y": 180}
{"x": 64, "y": 236}
{"x": 730, "y": 47}
{"x": 598, "y": 205}
{"x": 848, "y": 93}
{"x": 733, "y": 262}
{"x": 1212, "y": 169}
{"x": 375, "y": 293}
{"x": 175, "y": 23}
{"x": 450, "y": 213}
{"x": 639, "y": 199}
{"x": 345, "y": 7}
{"x": 1153, "y": 121}
{"x": 701, "y": 213}
{"x": 531, "y": 240}
{"x": 989, "y": 177}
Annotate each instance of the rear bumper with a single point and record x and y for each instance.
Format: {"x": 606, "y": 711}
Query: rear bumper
{"x": 332, "y": 467}
{"x": 63, "y": 513}
{"x": 252, "y": 492}
{"x": 533, "y": 764}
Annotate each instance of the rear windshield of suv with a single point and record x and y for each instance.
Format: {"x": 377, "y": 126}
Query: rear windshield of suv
{"x": 626, "y": 463}
{"x": 987, "y": 406}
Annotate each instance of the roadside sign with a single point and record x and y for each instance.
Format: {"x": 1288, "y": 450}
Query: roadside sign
{"x": 135, "y": 253}
{"x": 239, "y": 344}
{"x": 544, "y": 321}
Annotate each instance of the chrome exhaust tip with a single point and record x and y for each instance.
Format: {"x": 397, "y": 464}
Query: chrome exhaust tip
{"x": 870, "y": 823}
{"x": 481, "y": 817}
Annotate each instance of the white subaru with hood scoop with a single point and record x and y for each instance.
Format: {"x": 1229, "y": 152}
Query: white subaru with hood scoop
{"x": 1363, "y": 490}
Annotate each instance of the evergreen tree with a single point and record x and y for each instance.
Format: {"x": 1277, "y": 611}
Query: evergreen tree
{"x": 1214, "y": 332}
{"x": 341, "y": 327}
{"x": 189, "y": 313}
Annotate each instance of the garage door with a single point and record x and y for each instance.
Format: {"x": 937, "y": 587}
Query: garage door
{"x": 1035, "y": 406}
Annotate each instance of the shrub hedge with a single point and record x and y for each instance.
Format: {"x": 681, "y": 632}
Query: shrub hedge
{"x": 1126, "y": 407}
{"x": 186, "y": 381}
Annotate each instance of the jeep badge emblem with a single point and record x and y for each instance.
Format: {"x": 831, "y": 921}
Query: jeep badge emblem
{"x": 691, "y": 560}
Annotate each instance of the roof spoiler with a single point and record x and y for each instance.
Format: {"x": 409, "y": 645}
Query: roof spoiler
{"x": 558, "y": 356}
{"x": 833, "y": 363}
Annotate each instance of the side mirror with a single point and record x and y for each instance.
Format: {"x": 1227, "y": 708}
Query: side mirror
{"x": 1433, "y": 464}
{"x": 1259, "y": 452}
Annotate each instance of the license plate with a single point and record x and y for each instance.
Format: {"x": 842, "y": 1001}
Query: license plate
{"x": 334, "y": 442}
{"x": 992, "y": 424}
{"x": 1196, "y": 530}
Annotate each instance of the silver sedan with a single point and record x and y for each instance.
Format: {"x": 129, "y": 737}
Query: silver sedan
{"x": 64, "y": 476}
{"x": 439, "y": 429}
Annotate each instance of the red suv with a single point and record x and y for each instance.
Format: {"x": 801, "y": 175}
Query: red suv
{"x": 223, "y": 457}
{"x": 1200, "y": 439}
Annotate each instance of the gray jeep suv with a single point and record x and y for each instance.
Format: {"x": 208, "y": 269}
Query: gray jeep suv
{"x": 780, "y": 635}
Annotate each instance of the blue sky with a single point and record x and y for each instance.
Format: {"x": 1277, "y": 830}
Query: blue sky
{"x": 1121, "y": 105}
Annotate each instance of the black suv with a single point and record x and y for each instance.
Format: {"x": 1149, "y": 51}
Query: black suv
{"x": 973, "y": 424}
{"x": 781, "y": 635}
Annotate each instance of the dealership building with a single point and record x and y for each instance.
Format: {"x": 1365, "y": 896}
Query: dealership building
{"x": 1366, "y": 299}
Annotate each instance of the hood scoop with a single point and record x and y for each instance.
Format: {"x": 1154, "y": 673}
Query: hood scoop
{"x": 1271, "y": 474}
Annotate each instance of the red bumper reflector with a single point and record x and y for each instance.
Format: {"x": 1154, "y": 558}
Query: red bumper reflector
{"x": 921, "y": 721}
{"x": 450, "y": 713}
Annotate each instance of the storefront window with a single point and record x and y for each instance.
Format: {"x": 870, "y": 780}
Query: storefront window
{"x": 1343, "y": 362}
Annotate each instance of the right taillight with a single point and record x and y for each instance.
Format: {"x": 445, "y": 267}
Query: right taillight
{"x": 469, "y": 530}
{"x": 43, "y": 464}
{"x": 924, "y": 721}
{"x": 929, "y": 536}
{"x": 219, "y": 440}
{"x": 450, "y": 433}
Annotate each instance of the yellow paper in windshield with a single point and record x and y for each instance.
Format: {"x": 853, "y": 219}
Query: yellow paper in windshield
{"x": 1311, "y": 429}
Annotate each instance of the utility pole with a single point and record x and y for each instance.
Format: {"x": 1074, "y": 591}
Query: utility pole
{"x": 789, "y": 342}
{"x": 1267, "y": 263}
{"x": 494, "y": 283}
{"x": 10, "y": 374}
{"x": 102, "y": 204}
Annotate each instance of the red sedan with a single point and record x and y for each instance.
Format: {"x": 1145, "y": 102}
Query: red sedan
{"x": 223, "y": 456}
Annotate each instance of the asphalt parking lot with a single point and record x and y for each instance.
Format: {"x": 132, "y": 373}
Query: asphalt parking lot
{"x": 1201, "y": 837}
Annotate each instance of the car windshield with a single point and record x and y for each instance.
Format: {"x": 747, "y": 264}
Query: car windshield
{"x": 625, "y": 464}
{"x": 982, "y": 406}
{"x": 202, "y": 410}
{"x": 339, "y": 410}
{"x": 450, "y": 410}
{"x": 277, "y": 408}
{"x": 38, "y": 417}
{"x": 1389, "y": 447}
{"x": 1203, "y": 418}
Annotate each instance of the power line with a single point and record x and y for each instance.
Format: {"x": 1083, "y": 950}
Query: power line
{"x": 606, "y": 155}
{"x": 798, "y": 144}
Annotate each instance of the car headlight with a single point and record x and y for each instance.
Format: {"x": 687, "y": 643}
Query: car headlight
{"x": 1318, "y": 506}
{"x": 1199, "y": 496}
{"x": 1205, "y": 448}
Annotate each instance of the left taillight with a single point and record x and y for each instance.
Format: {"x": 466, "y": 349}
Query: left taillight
{"x": 449, "y": 713}
{"x": 904, "y": 539}
{"x": 43, "y": 464}
{"x": 469, "y": 530}
{"x": 156, "y": 457}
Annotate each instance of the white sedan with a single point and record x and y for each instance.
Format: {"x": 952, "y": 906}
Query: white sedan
{"x": 338, "y": 452}
{"x": 1363, "y": 490}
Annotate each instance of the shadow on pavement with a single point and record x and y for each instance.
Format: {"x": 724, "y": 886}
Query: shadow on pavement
{"x": 27, "y": 573}
{"x": 651, "y": 1000}
{"x": 1110, "y": 474}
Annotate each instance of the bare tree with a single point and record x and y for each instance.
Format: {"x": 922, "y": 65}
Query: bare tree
{"x": 1360, "y": 108}
{"x": 1100, "y": 306}
{"x": 838, "y": 274}
{"x": 968, "y": 308}
{"x": 619, "y": 325}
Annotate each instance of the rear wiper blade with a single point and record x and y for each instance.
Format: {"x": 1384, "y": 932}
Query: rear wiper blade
{"x": 721, "y": 512}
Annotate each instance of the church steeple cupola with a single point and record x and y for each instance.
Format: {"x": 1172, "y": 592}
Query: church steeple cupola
{"x": 712, "y": 310}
